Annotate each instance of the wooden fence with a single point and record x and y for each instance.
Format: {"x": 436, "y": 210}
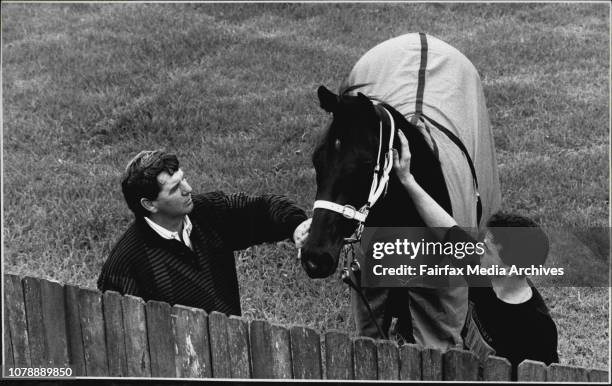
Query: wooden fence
{"x": 99, "y": 335}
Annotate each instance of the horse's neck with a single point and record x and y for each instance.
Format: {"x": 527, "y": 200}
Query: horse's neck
{"x": 395, "y": 209}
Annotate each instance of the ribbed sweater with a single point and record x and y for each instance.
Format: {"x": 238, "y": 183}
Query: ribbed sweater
{"x": 144, "y": 264}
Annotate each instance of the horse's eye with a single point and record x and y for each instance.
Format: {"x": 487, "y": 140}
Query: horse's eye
{"x": 337, "y": 144}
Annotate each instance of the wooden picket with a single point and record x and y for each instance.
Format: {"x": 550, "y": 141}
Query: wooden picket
{"x": 93, "y": 333}
{"x": 14, "y": 309}
{"x": 599, "y": 376}
{"x": 219, "y": 345}
{"x": 36, "y": 333}
{"x": 138, "y": 363}
{"x": 281, "y": 352}
{"x": 305, "y": 353}
{"x": 460, "y": 365}
{"x": 191, "y": 342}
{"x": 261, "y": 350}
{"x": 7, "y": 352}
{"x": 76, "y": 352}
{"x": 54, "y": 320}
{"x": 115, "y": 334}
{"x": 410, "y": 362}
{"x": 560, "y": 373}
{"x": 238, "y": 345}
{"x": 431, "y": 364}
{"x": 161, "y": 339}
{"x": 364, "y": 359}
{"x": 387, "y": 355}
{"x": 338, "y": 356}
{"x": 497, "y": 369}
{"x": 531, "y": 371}
{"x": 50, "y": 325}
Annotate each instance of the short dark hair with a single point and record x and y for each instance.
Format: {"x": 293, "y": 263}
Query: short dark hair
{"x": 140, "y": 177}
{"x": 524, "y": 246}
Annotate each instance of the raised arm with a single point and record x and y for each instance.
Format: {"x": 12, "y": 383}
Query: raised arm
{"x": 442, "y": 224}
{"x": 431, "y": 212}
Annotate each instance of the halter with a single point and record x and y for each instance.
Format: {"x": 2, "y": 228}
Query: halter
{"x": 376, "y": 189}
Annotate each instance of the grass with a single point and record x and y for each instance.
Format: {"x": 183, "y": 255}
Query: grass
{"x": 231, "y": 89}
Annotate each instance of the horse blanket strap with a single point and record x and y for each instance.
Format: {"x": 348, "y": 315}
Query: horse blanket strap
{"x": 418, "y": 113}
{"x": 461, "y": 146}
{"x": 347, "y": 211}
{"x": 418, "y": 108}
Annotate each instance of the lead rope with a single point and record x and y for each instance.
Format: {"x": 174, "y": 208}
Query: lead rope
{"x": 346, "y": 278}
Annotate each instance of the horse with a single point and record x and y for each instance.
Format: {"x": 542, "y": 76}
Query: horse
{"x": 344, "y": 162}
{"x": 352, "y": 166}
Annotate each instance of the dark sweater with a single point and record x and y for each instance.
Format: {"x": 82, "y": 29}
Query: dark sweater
{"x": 515, "y": 331}
{"x": 144, "y": 264}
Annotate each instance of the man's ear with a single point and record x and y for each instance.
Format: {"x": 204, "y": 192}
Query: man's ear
{"x": 148, "y": 205}
{"x": 327, "y": 99}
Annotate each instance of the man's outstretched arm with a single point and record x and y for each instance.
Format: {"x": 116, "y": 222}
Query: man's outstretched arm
{"x": 250, "y": 220}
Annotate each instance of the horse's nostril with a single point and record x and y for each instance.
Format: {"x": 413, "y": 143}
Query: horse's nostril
{"x": 317, "y": 265}
{"x": 310, "y": 265}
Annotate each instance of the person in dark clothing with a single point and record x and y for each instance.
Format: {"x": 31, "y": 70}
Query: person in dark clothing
{"x": 507, "y": 313}
{"x": 180, "y": 247}
{"x": 507, "y": 316}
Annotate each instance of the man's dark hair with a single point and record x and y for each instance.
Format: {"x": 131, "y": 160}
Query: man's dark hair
{"x": 523, "y": 242}
{"x": 140, "y": 177}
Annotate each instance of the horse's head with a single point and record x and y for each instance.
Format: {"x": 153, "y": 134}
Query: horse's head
{"x": 344, "y": 162}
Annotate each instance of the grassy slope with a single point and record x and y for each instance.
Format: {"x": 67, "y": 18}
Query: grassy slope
{"x": 231, "y": 88}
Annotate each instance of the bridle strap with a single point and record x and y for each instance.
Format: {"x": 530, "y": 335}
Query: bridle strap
{"x": 347, "y": 211}
{"x": 378, "y": 187}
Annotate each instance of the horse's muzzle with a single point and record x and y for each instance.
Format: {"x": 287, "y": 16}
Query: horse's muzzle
{"x": 318, "y": 264}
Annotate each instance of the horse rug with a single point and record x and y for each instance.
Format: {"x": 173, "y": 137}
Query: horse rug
{"x": 422, "y": 76}
{"x": 453, "y": 97}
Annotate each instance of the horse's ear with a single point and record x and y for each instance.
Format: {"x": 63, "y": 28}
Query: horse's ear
{"x": 364, "y": 98}
{"x": 327, "y": 99}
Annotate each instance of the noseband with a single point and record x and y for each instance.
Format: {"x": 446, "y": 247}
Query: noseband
{"x": 379, "y": 185}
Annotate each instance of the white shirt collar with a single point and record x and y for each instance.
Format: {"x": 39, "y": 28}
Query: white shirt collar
{"x": 170, "y": 235}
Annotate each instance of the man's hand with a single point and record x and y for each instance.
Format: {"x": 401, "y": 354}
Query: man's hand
{"x": 301, "y": 233}
{"x": 402, "y": 166}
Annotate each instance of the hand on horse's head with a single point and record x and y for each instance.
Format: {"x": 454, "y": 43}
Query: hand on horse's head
{"x": 402, "y": 165}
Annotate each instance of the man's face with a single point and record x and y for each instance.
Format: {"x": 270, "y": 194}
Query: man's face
{"x": 491, "y": 256}
{"x": 174, "y": 198}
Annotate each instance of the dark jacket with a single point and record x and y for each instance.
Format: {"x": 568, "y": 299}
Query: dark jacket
{"x": 146, "y": 265}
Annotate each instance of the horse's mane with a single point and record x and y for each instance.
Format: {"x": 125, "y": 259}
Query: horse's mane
{"x": 346, "y": 90}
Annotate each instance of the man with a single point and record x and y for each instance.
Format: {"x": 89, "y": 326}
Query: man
{"x": 506, "y": 311}
{"x": 180, "y": 247}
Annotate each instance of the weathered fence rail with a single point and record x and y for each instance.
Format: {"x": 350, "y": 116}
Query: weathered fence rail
{"x": 50, "y": 325}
